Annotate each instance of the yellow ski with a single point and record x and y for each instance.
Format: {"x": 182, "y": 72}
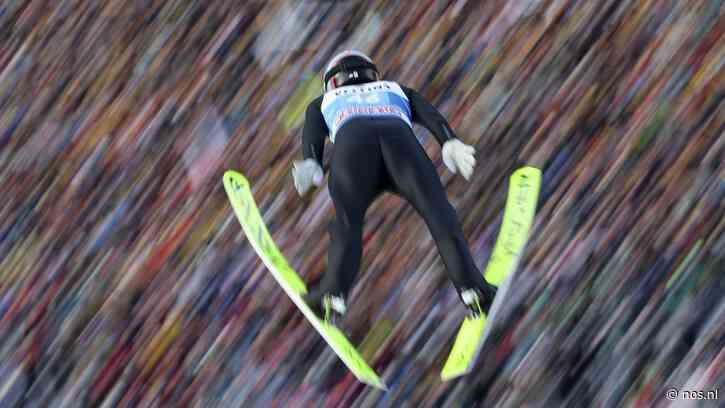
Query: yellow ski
{"x": 245, "y": 208}
{"x": 517, "y": 220}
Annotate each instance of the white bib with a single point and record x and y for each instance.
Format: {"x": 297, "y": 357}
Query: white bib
{"x": 378, "y": 99}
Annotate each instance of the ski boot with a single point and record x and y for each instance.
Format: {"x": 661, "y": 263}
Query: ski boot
{"x": 478, "y": 300}
{"x": 328, "y": 307}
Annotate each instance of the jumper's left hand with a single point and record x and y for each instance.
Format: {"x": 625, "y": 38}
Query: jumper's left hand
{"x": 458, "y": 157}
{"x": 306, "y": 173}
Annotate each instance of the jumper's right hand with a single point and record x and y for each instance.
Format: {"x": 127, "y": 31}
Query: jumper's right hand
{"x": 306, "y": 173}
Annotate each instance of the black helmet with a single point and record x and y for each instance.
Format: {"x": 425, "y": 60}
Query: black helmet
{"x": 349, "y": 68}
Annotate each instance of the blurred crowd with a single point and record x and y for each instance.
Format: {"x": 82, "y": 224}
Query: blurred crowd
{"x": 125, "y": 279}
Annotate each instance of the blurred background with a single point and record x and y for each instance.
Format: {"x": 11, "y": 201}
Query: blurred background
{"x": 125, "y": 279}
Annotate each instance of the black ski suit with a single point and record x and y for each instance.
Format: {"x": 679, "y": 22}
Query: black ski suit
{"x": 375, "y": 154}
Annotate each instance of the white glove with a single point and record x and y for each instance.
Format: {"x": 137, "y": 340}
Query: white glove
{"x": 458, "y": 157}
{"x": 306, "y": 173}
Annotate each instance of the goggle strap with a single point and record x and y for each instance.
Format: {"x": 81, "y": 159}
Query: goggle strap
{"x": 344, "y": 66}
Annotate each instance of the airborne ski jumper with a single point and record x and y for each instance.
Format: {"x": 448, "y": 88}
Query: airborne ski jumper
{"x": 370, "y": 122}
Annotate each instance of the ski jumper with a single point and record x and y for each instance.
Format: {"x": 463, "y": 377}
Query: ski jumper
{"x": 376, "y": 151}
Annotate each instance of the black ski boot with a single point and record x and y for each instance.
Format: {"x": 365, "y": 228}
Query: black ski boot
{"x": 328, "y": 307}
{"x": 478, "y": 300}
